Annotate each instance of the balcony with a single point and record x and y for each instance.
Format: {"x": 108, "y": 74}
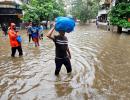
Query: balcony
{"x": 12, "y": 2}
{"x": 10, "y": 11}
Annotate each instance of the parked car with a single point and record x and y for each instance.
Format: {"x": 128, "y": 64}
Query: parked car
{"x": 125, "y": 29}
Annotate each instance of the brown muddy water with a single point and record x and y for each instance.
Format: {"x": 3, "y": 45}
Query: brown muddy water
{"x": 100, "y": 63}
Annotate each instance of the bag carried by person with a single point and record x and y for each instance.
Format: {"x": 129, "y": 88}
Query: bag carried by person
{"x": 19, "y": 39}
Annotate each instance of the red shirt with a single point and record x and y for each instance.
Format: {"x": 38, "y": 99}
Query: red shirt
{"x": 13, "y": 38}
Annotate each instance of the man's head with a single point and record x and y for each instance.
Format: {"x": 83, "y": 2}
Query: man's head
{"x": 41, "y": 24}
{"x": 62, "y": 33}
{"x": 34, "y": 24}
{"x": 13, "y": 26}
{"x": 30, "y": 23}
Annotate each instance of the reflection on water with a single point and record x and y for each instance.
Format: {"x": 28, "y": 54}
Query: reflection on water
{"x": 100, "y": 62}
{"x": 63, "y": 89}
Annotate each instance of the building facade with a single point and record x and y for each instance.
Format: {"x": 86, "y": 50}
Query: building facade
{"x": 10, "y": 11}
{"x": 103, "y": 10}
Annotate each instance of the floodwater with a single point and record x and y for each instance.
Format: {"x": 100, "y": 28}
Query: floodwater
{"x": 100, "y": 63}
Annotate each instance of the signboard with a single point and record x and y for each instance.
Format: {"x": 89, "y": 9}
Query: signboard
{"x": 128, "y": 19}
{"x": 128, "y": 16}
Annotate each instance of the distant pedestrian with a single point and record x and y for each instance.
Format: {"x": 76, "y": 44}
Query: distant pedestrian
{"x": 4, "y": 29}
{"x": 63, "y": 55}
{"x": 29, "y": 31}
{"x": 35, "y": 34}
{"x": 108, "y": 26}
{"x": 15, "y": 45}
{"x": 41, "y": 29}
{"x": 97, "y": 23}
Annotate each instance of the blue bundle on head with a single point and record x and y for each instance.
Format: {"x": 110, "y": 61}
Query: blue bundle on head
{"x": 64, "y": 24}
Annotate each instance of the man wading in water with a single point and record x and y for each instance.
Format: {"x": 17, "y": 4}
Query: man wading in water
{"x": 15, "y": 45}
{"x": 63, "y": 55}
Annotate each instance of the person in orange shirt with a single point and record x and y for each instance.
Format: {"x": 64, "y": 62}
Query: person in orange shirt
{"x": 15, "y": 45}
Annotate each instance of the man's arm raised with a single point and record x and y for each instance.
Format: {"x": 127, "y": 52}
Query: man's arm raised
{"x": 49, "y": 34}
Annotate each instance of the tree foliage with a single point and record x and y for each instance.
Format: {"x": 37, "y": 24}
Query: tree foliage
{"x": 121, "y": 1}
{"x": 43, "y": 10}
{"x": 85, "y": 10}
{"x": 119, "y": 15}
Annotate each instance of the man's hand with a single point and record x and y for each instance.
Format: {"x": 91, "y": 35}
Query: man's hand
{"x": 27, "y": 34}
{"x": 68, "y": 51}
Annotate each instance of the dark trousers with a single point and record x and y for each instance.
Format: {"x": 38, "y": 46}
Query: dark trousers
{"x": 19, "y": 48}
{"x": 30, "y": 37}
{"x": 59, "y": 62}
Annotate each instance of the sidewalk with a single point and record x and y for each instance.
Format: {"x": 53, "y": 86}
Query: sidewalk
{"x": 102, "y": 25}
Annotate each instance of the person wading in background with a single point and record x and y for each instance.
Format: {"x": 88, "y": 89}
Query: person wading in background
{"x": 29, "y": 31}
{"x": 4, "y": 29}
{"x": 35, "y": 34}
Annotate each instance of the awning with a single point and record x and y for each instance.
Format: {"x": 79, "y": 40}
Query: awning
{"x": 11, "y": 2}
{"x": 102, "y": 12}
{"x": 7, "y": 11}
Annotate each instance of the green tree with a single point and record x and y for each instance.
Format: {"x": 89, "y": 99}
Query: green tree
{"x": 38, "y": 10}
{"x": 119, "y": 15}
{"x": 85, "y": 10}
{"x": 121, "y": 1}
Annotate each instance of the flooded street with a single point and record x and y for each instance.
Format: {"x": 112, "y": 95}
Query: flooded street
{"x": 100, "y": 68}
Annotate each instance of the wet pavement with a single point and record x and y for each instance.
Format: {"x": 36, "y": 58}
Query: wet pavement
{"x": 100, "y": 64}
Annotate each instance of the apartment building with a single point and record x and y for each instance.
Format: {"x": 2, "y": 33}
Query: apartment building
{"x": 10, "y": 12}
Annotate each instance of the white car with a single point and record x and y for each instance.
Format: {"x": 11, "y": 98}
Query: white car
{"x": 125, "y": 29}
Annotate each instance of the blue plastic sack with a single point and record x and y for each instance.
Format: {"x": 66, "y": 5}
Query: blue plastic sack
{"x": 19, "y": 39}
{"x": 64, "y": 24}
